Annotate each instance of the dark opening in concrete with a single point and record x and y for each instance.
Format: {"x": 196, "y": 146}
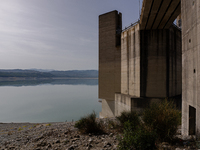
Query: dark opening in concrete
{"x": 192, "y": 120}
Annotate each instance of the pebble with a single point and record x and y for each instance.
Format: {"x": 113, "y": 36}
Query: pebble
{"x": 63, "y": 135}
{"x": 51, "y": 136}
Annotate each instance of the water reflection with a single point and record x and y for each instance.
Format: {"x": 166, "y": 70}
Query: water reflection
{"x": 49, "y": 81}
{"x": 48, "y": 101}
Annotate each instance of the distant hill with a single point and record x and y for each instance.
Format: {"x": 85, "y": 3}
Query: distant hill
{"x": 38, "y": 73}
{"x": 76, "y": 73}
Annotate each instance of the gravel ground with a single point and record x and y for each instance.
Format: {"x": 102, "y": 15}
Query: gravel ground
{"x": 61, "y": 136}
{"x": 58, "y": 136}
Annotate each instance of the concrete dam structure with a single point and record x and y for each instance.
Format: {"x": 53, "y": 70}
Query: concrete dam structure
{"x": 190, "y": 14}
{"x": 151, "y": 60}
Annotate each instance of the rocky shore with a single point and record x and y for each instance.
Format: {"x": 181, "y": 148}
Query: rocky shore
{"x": 55, "y": 136}
{"x": 60, "y": 136}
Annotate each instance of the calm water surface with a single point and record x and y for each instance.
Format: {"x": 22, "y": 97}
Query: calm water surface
{"x": 48, "y": 101}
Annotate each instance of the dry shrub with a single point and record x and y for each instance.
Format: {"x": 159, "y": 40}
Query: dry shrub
{"x": 139, "y": 137}
{"x": 163, "y": 118}
{"x": 89, "y": 124}
{"x": 130, "y": 116}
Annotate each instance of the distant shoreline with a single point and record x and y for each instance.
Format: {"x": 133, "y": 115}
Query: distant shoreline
{"x": 34, "y": 78}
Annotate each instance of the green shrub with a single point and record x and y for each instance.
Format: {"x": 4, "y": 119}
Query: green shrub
{"x": 163, "y": 118}
{"x": 131, "y": 116}
{"x": 89, "y": 124}
{"x": 114, "y": 125}
{"x": 141, "y": 138}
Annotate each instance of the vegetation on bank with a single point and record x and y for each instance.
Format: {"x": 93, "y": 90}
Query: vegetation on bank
{"x": 140, "y": 131}
{"x": 89, "y": 124}
{"x": 156, "y": 124}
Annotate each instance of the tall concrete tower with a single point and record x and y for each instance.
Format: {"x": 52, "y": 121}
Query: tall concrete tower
{"x": 110, "y": 26}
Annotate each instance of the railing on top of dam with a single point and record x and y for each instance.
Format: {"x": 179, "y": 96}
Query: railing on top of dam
{"x": 132, "y": 24}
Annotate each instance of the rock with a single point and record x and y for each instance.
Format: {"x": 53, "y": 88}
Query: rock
{"x": 71, "y": 148}
{"x": 42, "y": 137}
{"x": 107, "y": 144}
{"x": 111, "y": 135}
{"x": 18, "y": 139}
{"x": 115, "y": 147}
{"x": 39, "y": 138}
{"x": 77, "y": 136}
{"x": 165, "y": 143}
{"x": 90, "y": 140}
{"x": 89, "y": 146}
{"x": 57, "y": 141}
{"x": 42, "y": 143}
{"x": 49, "y": 145}
{"x": 65, "y": 141}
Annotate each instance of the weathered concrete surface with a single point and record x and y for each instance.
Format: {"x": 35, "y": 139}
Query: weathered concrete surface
{"x": 146, "y": 66}
{"x": 109, "y": 55}
{"x": 150, "y": 67}
{"x": 122, "y": 103}
{"x": 190, "y": 11}
{"x": 108, "y": 109}
{"x": 160, "y": 64}
{"x": 151, "y": 62}
{"x": 130, "y": 61}
{"x": 159, "y": 14}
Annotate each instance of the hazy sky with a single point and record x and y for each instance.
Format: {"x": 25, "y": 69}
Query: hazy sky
{"x": 55, "y": 34}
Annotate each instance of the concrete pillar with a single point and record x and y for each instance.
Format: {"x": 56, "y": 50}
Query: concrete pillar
{"x": 130, "y": 61}
{"x": 110, "y": 25}
{"x": 108, "y": 109}
{"x": 190, "y": 14}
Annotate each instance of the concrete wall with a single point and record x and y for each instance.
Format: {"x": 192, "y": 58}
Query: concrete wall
{"x": 190, "y": 11}
{"x": 108, "y": 109}
{"x": 122, "y": 103}
{"x": 109, "y": 55}
{"x": 160, "y": 63}
{"x": 130, "y": 61}
{"x": 146, "y": 66}
{"x": 174, "y": 63}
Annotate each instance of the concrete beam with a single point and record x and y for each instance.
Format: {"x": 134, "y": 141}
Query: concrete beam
{"x": 146, "y": 8}
{"x": 171, "y": 10}
{"x": 159, "y": 14}
{"x": 154, "y": 13}
{"x": 173, "y": 17}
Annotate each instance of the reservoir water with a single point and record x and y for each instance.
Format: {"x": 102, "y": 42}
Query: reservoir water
{"x": 48, "y": 100}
